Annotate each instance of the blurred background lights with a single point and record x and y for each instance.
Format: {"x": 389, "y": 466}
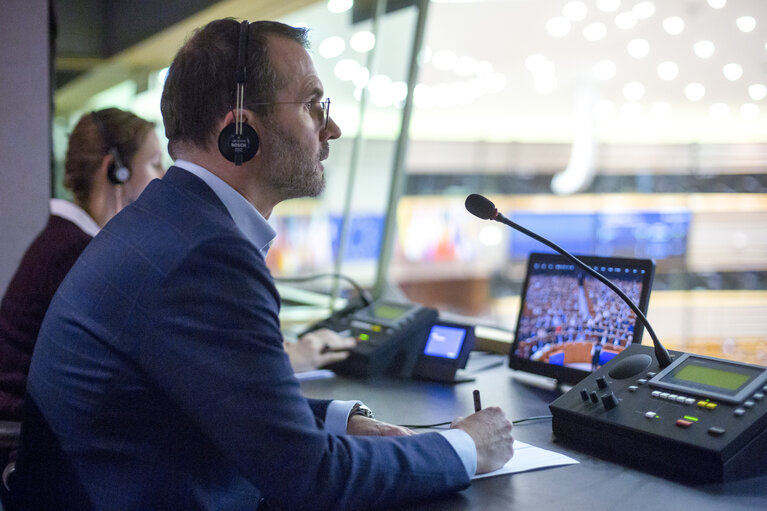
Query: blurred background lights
{"x": 749, "y": 111}
{"x": 757, "y": 91}
{"x": 732, "y": 71}
{"x": 704, "y": 49}
{"x": 595, "y": 31}
{"x": 695, "y": 91}
{"x": 626, "y": 20}
{"x": 633, "y": 91}
{"x": 673, "y": 25}
{"x": 717, "y": 4}
{"x": 558, "y": 27}
{"x": 337, "y": 6}
{"x": 746, "y": 23}
{"x": 604, "y": 70}
{"x": 608, "y": 5}
{"x": 332, "y": 47}
{"x": 644, "y": 10}
{"x": 575, "y": 11}
{"x": 668, "y": 70}
{"x": 362, "y": 41}
{"x": 638, "y": 48}
{"x": 719, "y": 110}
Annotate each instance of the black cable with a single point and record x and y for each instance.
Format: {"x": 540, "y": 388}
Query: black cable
{"x": 364, "y": 295}
{"x": 427, "y": 426}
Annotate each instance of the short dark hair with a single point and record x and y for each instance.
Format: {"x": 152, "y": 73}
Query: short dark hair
{"x": 200, "y": 86}
{"x": 87, "y": 147}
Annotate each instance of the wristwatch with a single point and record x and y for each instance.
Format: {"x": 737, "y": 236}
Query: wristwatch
{"x": 360, "y": 409}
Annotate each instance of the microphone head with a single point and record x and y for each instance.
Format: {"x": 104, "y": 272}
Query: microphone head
{"x": 481, "y": 207}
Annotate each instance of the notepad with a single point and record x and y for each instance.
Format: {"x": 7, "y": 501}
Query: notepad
{"x": 528, "y": 457}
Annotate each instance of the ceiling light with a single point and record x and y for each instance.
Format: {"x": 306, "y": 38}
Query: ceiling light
{"x": 426, "y": 54}
{"x": 673, "y": 25}
{"x": 626, "y": 20}
{"x": 337, "y": 6}
{"x": 608, "y": 5}
{"x": 719, "y": 110}
{"x": 399, "y": 91}
{"x": 346, "y": 69}
{"x": 704, "y": 49}
{"x": 444, "y": 60}
{"x": 746, "y": 23}
{"x": 695, "y": 91}
{"x": 644, "y": 10}
{"x": 422, "y": 96}
{"x": 631, "y": 110}
{"x": 490, "y": 235}
{"x": 668, "y": 70}
{"x": 732, "y": 71}
{"x": 594, "y": 31}
{"x": 660, "y": 110}
{"x": 633, "y": 91}
{"x": 638, "y": 48}
{"x": 332, "y": 47}
{"x": 717, "y": 4}
{"x": 363, "y": 41}
{"x": 575, "y": 11}
{"x": 749, "y": 111}
{"x": 558, "y": 27}
{"x": 757, "y": 91}
{"x": 380, "y": 90}
{"x": 604, "y": 70}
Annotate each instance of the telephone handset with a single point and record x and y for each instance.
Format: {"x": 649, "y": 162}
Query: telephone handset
{"x": 404, "y": 339}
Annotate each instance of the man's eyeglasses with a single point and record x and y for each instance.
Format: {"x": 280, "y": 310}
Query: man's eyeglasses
{"x": 324, "y": 105}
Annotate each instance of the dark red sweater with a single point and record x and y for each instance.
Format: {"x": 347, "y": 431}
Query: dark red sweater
{"x": 43, "y": 267}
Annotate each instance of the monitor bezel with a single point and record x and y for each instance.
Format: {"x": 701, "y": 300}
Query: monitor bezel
{"x": 570, "y": 375}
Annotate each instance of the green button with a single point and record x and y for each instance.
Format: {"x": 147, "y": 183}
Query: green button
{"x": 690, "y": 418}
{"x": 364, "y": 337}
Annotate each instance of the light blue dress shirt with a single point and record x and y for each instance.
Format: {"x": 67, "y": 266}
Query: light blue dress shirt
{"x": 258, "y": 231}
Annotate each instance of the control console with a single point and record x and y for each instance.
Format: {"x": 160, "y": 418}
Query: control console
{"x": 701, "y": 419}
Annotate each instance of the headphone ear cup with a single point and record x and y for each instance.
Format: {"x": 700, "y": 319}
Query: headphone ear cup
{"x": 117, "y": 173}
{"x": 238, "y": 148}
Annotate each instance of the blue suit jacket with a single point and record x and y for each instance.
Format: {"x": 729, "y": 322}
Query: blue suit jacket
{"x": 159, "y": 381}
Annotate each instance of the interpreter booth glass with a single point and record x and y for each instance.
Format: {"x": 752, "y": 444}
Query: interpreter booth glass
{"x": 570, "y": 323}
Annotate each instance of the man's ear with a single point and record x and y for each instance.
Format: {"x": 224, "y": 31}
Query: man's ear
{"x": 103, "y": 170}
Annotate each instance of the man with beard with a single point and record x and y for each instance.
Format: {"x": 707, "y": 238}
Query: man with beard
{"x": 173, "y": 389}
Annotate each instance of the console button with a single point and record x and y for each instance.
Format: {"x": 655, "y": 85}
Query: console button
{"x": 715, "y": 431}
{"x": 682, "y": 423}
{"x": 601, "y": 382}
{"x": 650, "y": 415}
{"x": 748, "y": 404}
{"x": 739, "y": 411}
{"x": 759, "y": 396}
{"x": 584, "y": 395}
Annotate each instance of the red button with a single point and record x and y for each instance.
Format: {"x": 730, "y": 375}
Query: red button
{"x": 683, "y": 423}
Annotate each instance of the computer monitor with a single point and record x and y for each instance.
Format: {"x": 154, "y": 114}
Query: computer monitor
{"x": 569, "y": 322}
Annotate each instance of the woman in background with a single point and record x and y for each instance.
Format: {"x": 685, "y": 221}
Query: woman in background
{"x": 112, "y": 156}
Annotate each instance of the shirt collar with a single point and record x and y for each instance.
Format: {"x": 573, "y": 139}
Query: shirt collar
{"x": 75, "y": 214}
{"x": 246, "y": 217}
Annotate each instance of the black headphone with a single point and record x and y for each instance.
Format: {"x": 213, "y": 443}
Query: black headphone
{"x": 117, "y": 172}
{"x": 238, "y": 142}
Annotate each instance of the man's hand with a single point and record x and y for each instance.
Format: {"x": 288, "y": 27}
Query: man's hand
{"x": 491, "y": 432}
{"x": 364, "y": 426}
{"x": 317, "y": 349}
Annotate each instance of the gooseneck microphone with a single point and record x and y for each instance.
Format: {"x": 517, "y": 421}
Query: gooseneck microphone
{"x": 483, "y": 208}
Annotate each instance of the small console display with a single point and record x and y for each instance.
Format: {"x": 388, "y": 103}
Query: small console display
{"x": 724, "y": 380}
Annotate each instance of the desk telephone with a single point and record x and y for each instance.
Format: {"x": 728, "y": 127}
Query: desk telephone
{"x": 403, "y": 339}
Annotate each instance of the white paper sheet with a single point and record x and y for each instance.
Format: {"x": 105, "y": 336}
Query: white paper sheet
{"x": 527, "y": 457}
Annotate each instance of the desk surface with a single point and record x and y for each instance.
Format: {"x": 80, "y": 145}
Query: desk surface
{"x": 591, "y": 485}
